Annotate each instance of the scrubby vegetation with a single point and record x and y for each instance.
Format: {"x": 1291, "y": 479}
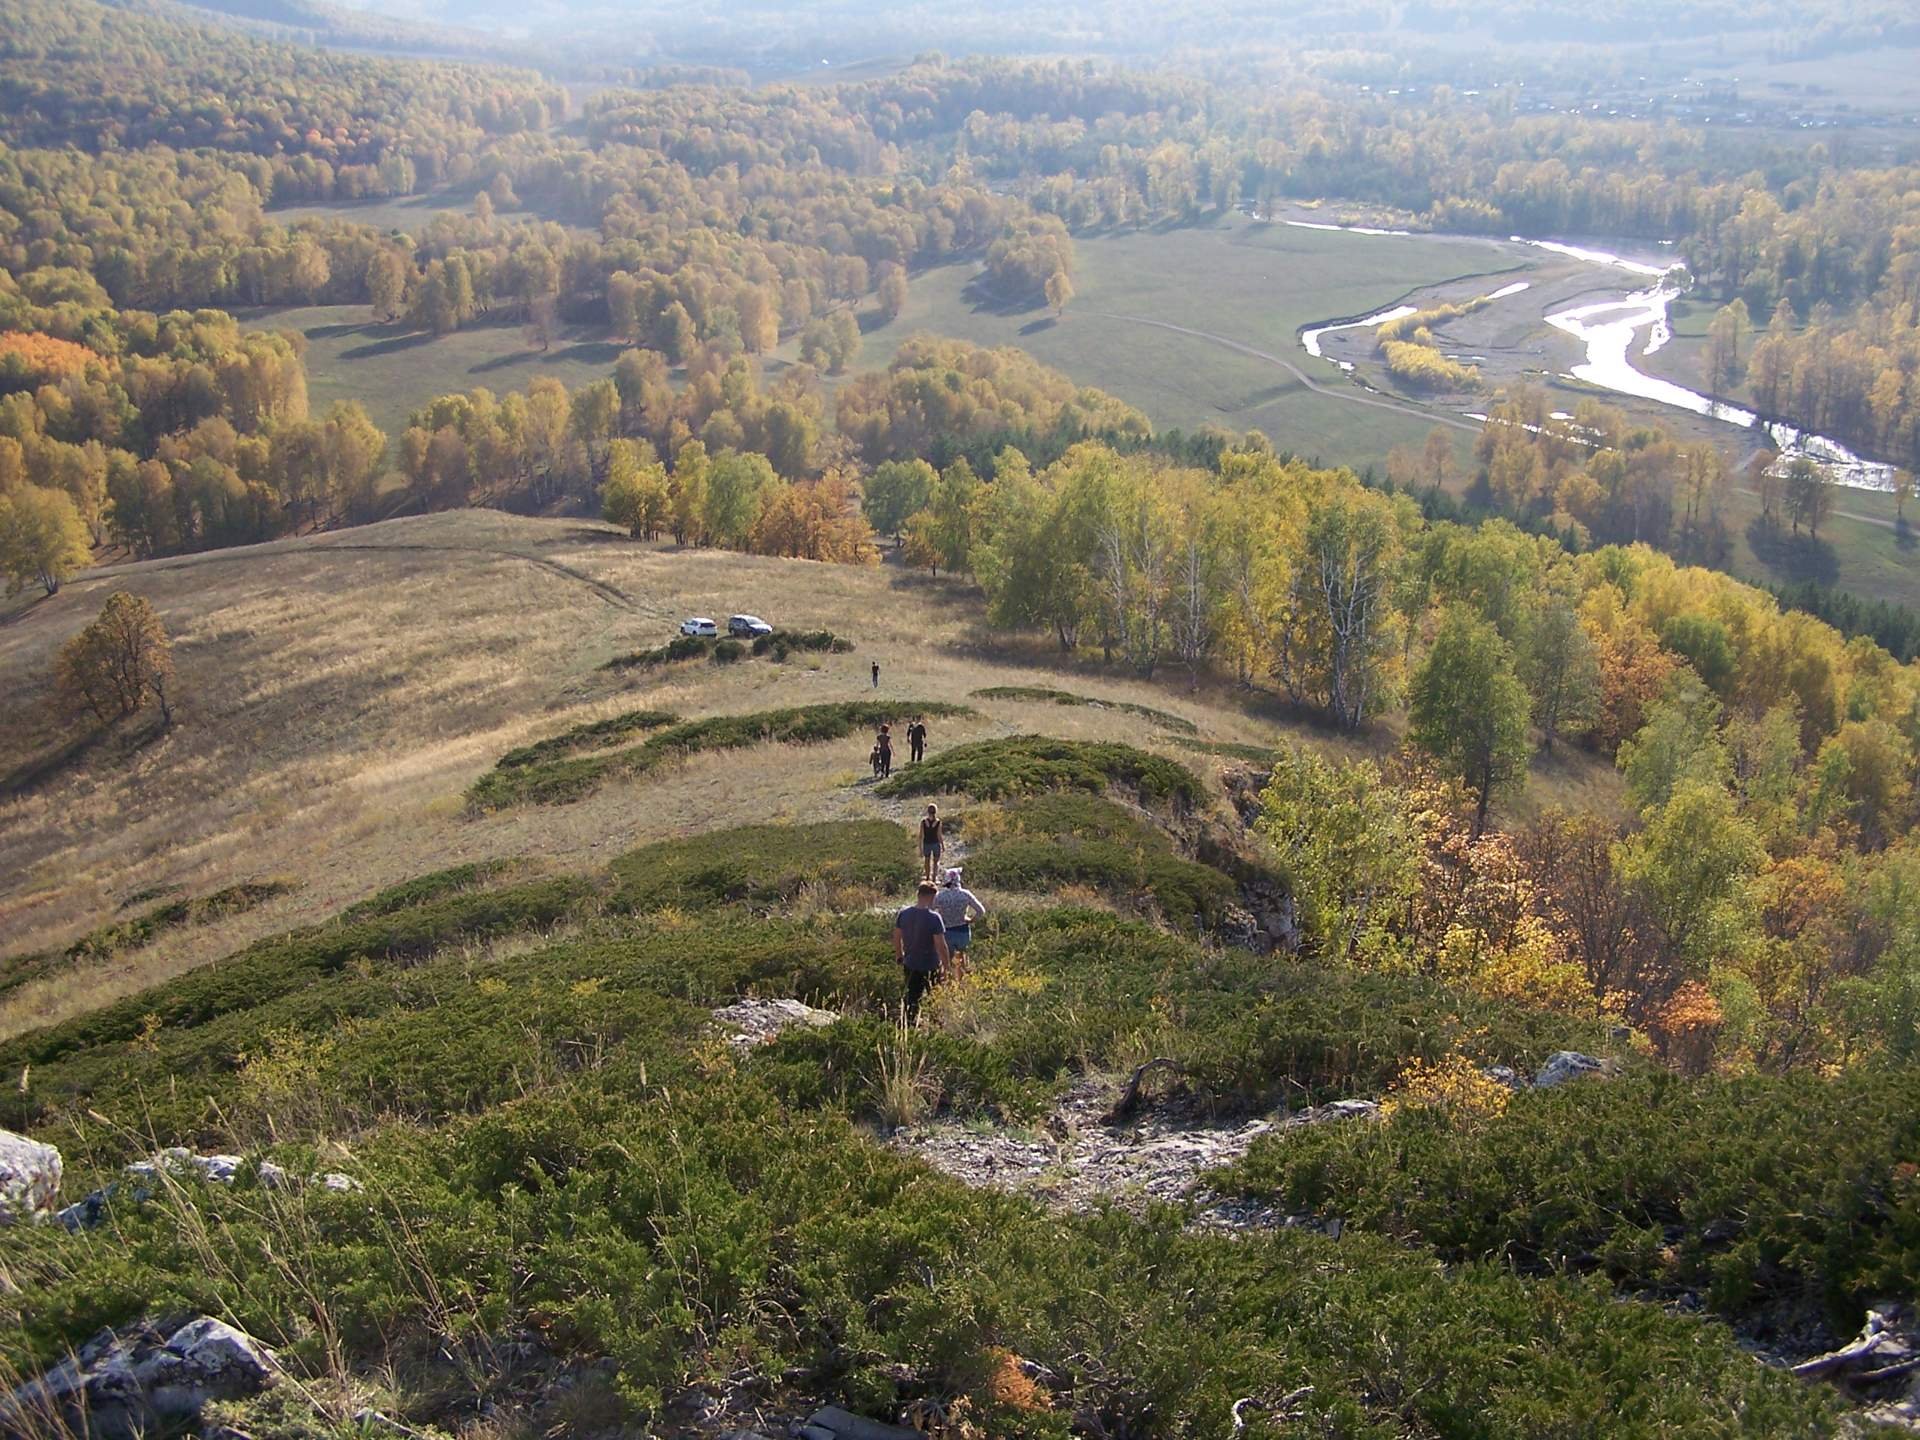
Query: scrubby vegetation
{"x": 109, "y": 940}
{"x": 1067, "y": 838}
{"x": 1165, "y": 720}
{"x": 765, "y": 866}
{"x": 1768, "y": 1195}
{"x": 1026, "y": 764}
{"x": 595, "y": 735}
{"x": 566, "y": 776}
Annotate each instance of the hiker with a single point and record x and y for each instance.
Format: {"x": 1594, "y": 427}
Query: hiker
{"x": 920, "y": 945}
{"x": 875, "y": 758}
{"x": 932, "y": 841}
{"x": 917, "y": 741}
{"x": 883, "y": 745}
{"x": 957, "y": 908}
{"x": 876, "y": 674}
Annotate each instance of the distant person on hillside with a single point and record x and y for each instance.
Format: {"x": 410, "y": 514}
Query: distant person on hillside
{"x": 875, "y": 758}
{"x": 876, "y": 674}
{"x": 932, "y": 840}
{"x": 958, "y": 907}
{"x": 883, "y": 742}
{"x": 917, "y": 740}
{"x": 920, "y": 945}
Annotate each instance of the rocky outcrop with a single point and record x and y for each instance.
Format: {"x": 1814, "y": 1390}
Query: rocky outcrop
{"x": 181, "y": 1163}
{"x": 1086, "y": 1155}
{"x": 151, "y": 1376}
{"x": 29, "y": 1179}
{"x": 1880, "y": 1366}
{"x": 1565, "y": 1065}
{"x": 757, "y": 1022}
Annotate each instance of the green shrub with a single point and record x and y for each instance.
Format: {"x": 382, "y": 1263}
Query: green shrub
{"x": 1765, "y": 1191}
{"x": 1042, "y": 693}
{"x": 110, "y": 940}
{"x": 681, "y": 1232}
{"x": 726, "y": 652}
{"x": 595, "y": 735}
{"x": 1059, "y": 838}
{"x": 422, "y": 888}
{"x": 265, "y": 971}
{"x": 783, "y": 643}
{"x": 1027, "y": 764}
{"x": 681, "y": 647}
{"x": 763, "y": 864}
{"x": 559, "y": 780}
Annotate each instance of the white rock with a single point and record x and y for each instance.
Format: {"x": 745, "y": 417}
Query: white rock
{"x": 144, "y": 1378}
{"x": 1565, "y": 1065}
{"x": 29, "y": 1178}
{"x": 220, "y": 1169}
{"x": 756, "y": 1022}
{"x": 340, "y": 1184}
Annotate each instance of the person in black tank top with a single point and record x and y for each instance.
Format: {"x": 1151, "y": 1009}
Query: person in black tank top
{"x": 932, "y": 840}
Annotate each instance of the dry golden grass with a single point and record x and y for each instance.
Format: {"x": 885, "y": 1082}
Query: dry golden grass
{"x": 338, "y": 695}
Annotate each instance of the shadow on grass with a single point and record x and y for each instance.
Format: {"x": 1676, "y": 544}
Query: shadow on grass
{"x": 1794, "y": 557}
{"x": 406, "y": 340}
{"x": 385, "y": 331}
{"x": 37, "y": 771}
{"x": 1034, "y": 327}
{"x": 984, "y": 300}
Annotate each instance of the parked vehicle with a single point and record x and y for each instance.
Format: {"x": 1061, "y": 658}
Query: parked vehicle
{"x": 748, "y": 627}
{"x": 699, "y": 625}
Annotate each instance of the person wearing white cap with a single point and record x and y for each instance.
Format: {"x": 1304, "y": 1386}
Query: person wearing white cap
{"x": 958, "y": 907}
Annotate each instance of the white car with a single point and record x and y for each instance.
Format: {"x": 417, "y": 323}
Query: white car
{"x": 748, "y": 627}
{"x": 699, "y": 625}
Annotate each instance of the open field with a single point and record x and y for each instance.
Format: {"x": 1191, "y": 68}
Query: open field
{"x": 340, "y": 694}
{"x": 405, "y": 213}
{"x": 1246, "y": 282}
{"x": 1251, "y": 284}
{"x": 394, "y": 371}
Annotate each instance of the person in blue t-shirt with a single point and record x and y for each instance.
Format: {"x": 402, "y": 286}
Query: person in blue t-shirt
{"x": 920, "y": 945}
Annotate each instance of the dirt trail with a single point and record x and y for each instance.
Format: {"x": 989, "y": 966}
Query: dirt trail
{"x": 1375, "y": 401}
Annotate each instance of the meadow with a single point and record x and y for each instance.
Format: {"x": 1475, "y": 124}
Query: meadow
{"x": 1246, "y": 282}
{"x": 341, "y": 694}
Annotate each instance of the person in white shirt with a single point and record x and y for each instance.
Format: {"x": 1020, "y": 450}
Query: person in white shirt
{"x": 958, "y": 907}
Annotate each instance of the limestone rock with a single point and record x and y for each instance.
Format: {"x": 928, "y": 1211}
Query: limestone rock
{"x": 844, "y": 1425}
{"x": 148, "y": 1376}
{"x": 29, "y": 1178}
{"x": 1565, "y": 1065}
{"x": 756, "y": 1022}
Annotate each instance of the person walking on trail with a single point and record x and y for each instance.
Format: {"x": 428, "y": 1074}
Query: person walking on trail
{"x": 917, "y": 740}
{"x": 958, "y": 907}
{"x": 876, "y": 674}
{"x": 932, "y": 841}
{"x": 875, "y": 758}
{"x": 920, "y": 945}
{"x": 883, "y": 747}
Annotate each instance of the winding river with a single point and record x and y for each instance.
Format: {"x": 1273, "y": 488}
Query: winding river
{"x": 1609, "y": 329}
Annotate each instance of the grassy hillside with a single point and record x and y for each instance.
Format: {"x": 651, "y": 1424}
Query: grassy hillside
{"x": 498, "y": 1020}
{"x": 341, "y": 694}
